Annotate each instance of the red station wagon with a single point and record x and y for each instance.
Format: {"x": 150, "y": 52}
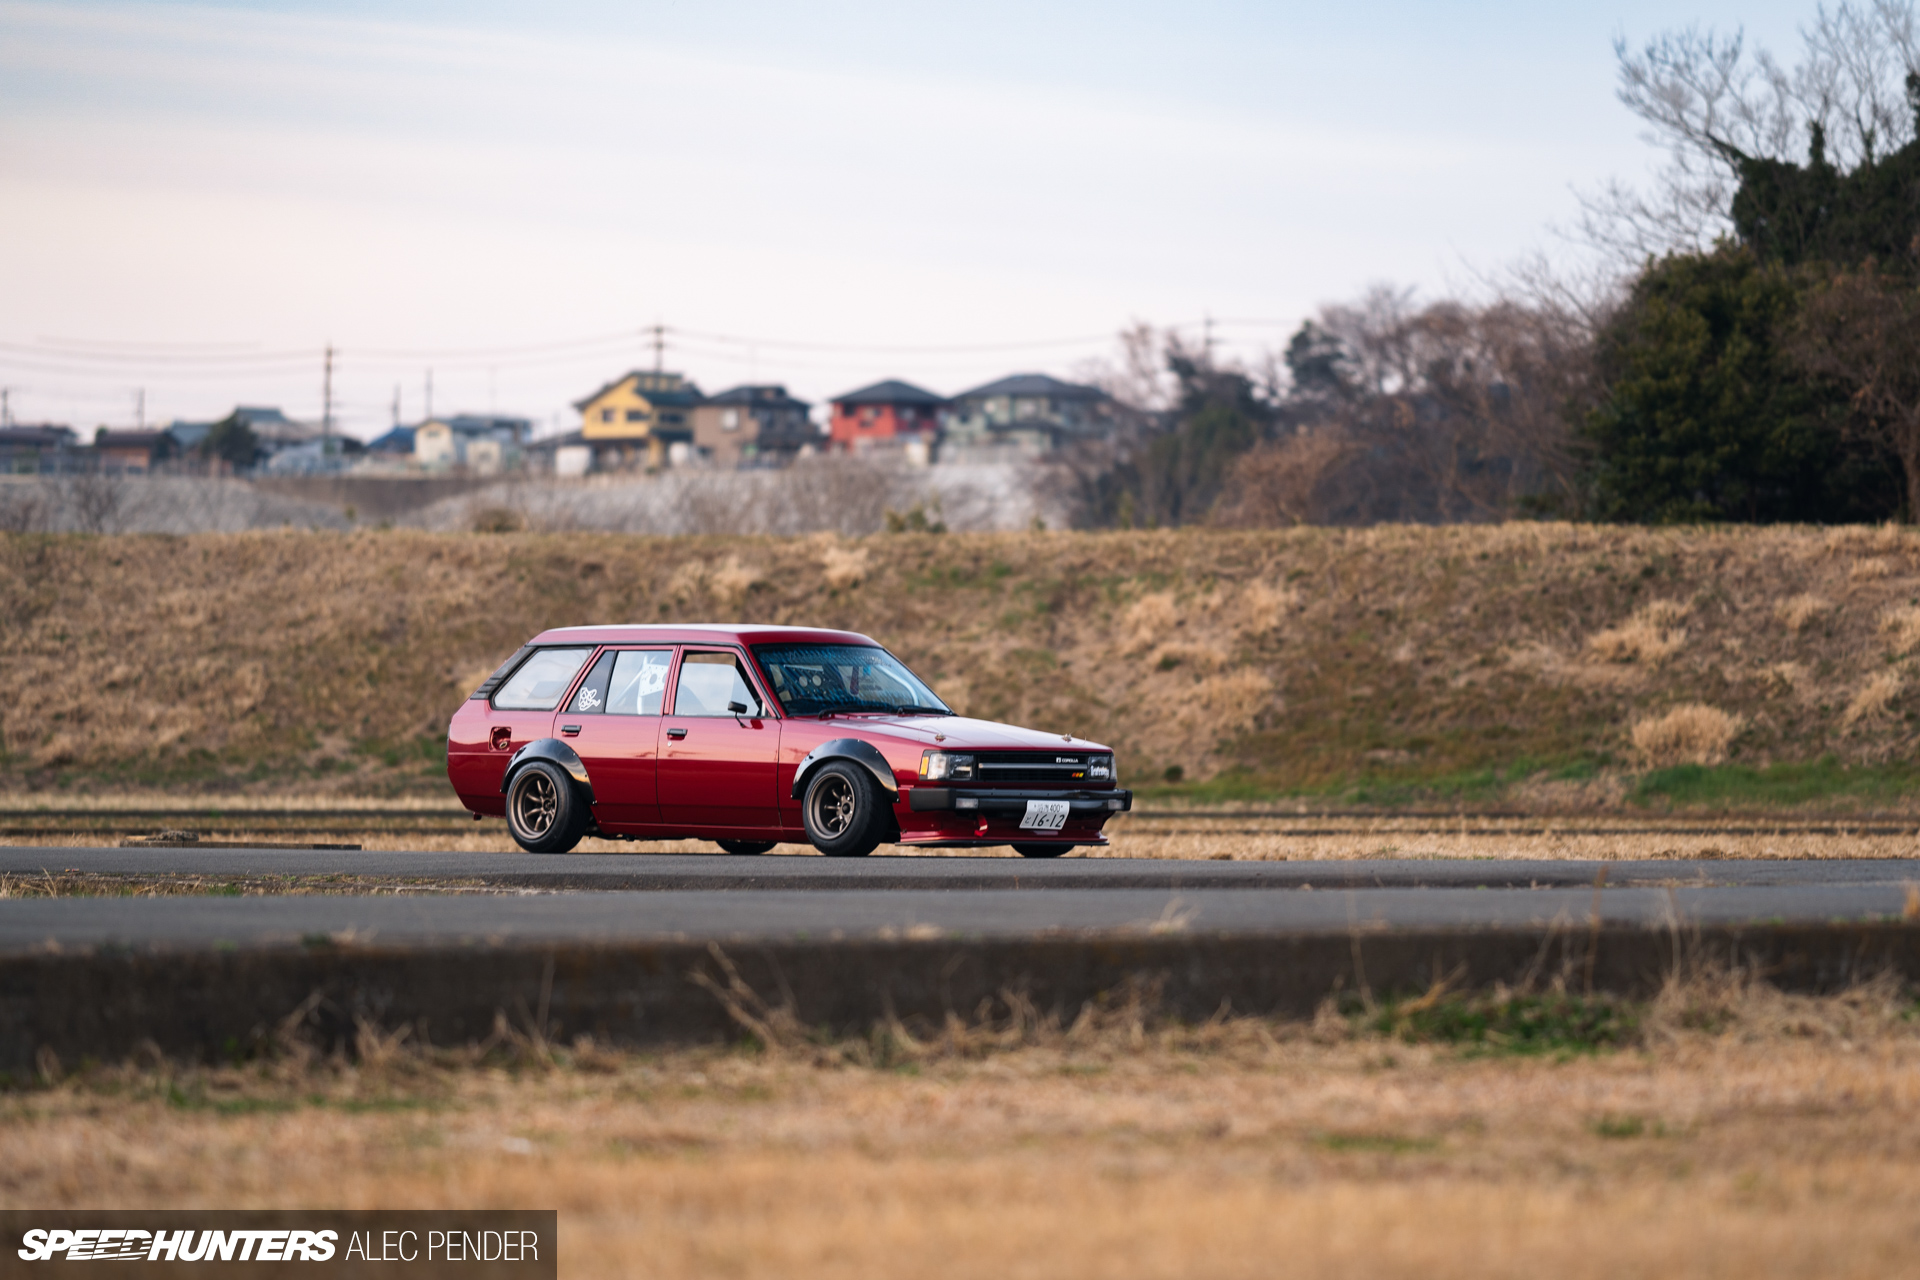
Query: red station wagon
{"x": 749, "y": 736}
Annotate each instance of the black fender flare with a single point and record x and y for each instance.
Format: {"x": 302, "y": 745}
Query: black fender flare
{"x": 553, "y": 751}
{"x": 847, "y": 749}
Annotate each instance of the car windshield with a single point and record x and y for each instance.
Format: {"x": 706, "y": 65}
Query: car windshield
{"x": 813, "y": 678}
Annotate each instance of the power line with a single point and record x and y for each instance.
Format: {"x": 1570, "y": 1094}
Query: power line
{"x": 855, "y": 348}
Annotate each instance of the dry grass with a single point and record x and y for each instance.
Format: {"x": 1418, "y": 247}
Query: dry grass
{"x": 1650, "y": 636}
{"x": 1749, "y": 1135}
{"x": 1873, "y": 699}
{"x": 1308, "y": 659}
{"x": 1795, "y": 614}
{"x": 1690, "y": 734}
{"x": 1902, "y": 626}
{"x": 1222, "y": 835}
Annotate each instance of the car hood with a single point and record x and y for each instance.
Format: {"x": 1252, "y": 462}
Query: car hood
{"x": 963, "y": 734}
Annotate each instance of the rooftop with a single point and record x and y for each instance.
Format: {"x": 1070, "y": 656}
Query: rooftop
{"x": 746, "y": 633}
{"x": 659, "y": 388}
{"x": 758, "y": 394}
{"x": 1034, "y": 384}
{"x": 892, "y": 391}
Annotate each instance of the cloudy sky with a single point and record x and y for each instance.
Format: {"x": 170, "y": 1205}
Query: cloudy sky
{"x": 196, "y": 199}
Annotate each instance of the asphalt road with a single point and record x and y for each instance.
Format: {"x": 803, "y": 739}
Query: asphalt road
{"x": 636, "y": 898}
{"x": 682, "y": 872}
{"x": 202, "y": 923}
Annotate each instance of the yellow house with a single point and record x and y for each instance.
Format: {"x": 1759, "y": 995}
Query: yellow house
{"x": 637, "y": 418}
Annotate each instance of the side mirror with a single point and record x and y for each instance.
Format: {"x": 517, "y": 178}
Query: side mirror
{"x": 738, "y": 708}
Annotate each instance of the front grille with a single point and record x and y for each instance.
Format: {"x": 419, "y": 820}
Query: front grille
{"x": 1025, "y": 768}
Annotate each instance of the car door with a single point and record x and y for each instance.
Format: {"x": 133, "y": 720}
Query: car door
{"x": 717, "y": 764}
{"x": 613, "y": 723}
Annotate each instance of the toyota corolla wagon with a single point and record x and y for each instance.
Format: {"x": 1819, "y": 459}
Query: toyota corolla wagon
{"x": 752, "y": 736}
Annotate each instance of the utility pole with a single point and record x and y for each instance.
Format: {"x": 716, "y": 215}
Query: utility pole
{"x": 140, "y": 409}
{"x": 428, "y": 415}
{"x": 1207, "y": 343}
{"x": 6, "y": 411}
{"x": 396, "y": 404}
{"x": 326, "y": 401}
{"x": 659, "y": 332}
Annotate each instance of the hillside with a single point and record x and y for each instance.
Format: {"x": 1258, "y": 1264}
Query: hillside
{"x": 1529, "y": 663}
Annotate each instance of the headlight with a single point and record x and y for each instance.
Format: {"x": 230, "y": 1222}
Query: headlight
{"x": 939, "y": 766}
{"x": 1103, "y": 769}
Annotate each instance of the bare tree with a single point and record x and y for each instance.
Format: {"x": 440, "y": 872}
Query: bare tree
{"x": 93, "y": 500}
{"x": 1138, "y": 375}
{"x": 1287, "y": 482}
{"x": 1460, "y": 412}
{"x": 1709, "y": 104}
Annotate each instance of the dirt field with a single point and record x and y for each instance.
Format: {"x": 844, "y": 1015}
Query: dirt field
{"x": 1739, "y": 1133}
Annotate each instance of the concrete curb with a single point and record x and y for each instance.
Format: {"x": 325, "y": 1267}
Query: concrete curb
{"x": 105, "y": 1005}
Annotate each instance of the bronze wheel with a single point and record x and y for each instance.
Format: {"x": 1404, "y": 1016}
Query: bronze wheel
{"x": 545, "y": 812}
{"x": 843, "y": 810}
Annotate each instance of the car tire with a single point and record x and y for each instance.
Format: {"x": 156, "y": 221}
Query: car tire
{"x": 1030, "y": 850}
{"x": 744, "y": 848}
{"x": 843, "y": 809}
{"x": 545, "y": 812}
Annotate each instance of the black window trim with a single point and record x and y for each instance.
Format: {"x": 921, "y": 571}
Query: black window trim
{"x": 770, "y": 708}
{"x": 519, "y": 660}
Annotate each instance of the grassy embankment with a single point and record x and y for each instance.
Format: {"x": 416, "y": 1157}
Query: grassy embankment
{"x": 1720, "y": 1130}
{"x": 1548, "y": 666}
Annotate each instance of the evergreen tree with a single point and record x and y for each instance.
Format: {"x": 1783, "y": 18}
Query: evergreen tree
{"x": 1708, "y": 417}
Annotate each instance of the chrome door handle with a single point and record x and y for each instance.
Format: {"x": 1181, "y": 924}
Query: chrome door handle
{"x": 676, "y": 733}
{"x": 569, "y": 730}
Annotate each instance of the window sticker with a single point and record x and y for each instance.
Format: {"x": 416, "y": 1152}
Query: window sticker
{"x": 639, "y": 682}
{"x": 592, "y": 697}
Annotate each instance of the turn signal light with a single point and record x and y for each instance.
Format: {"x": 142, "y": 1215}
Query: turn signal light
{"x": 940, "y": 766}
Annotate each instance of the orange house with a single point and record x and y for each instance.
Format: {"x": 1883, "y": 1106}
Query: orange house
{"x": 891, "y": 411}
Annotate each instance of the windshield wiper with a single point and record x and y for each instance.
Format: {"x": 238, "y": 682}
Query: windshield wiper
{"x": 911, "y": 710}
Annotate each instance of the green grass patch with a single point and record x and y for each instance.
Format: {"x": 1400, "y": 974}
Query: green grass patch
{"x": 1775, "y": 786}
{"x": 1556, "y": 1024}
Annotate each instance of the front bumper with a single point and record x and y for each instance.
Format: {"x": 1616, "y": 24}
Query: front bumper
{"x": 1005, "y": 801}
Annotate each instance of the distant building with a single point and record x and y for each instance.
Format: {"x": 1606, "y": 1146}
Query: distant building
{"x": 567, "y": 456}
{"x": 187, "y": 435}
{"x": 637, "y": 419}
{"x": 484, "y": 443}
{"x": 35, "y": 450}
{"x": 132, "y": 452}
{"x": 1028, "y": 411}
{"x": 395, "y": 446}
{"x": 273, "y": 429}
{"x": 887, "y": 414}
{"x": 752, "y": 426}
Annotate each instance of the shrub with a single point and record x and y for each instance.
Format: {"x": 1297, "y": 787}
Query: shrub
{"x": 1797, "y": 612}
{"x": 1693, "y": 733}
{"x": 1649, "y": 636}
{"x": 1873, "y": 698}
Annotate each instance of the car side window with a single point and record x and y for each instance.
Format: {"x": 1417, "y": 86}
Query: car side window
{"x": 639, "y": 683}
{"x": 541, "y": 681}
{"x": 591, "y": 698}
{"x": 709, "y": 682}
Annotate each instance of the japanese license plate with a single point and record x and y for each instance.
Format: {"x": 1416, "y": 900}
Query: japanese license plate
{"x": 1045, "y": 815}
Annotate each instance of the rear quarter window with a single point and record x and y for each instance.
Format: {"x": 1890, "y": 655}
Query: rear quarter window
{"x": 542, "y": 680}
